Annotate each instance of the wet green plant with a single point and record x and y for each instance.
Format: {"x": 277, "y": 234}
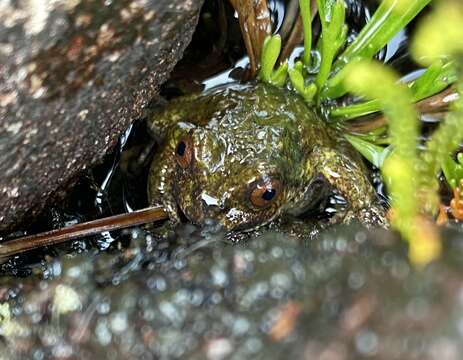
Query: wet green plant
{"x": 390, "y": 17}
{"x": 433, "y": 80}
{"x": 453, "y": 170}
{"x": 306, "y": 16}
{"x": 441, "y": 37}
{"x": 396, "y": 102}
{"x": 400, "y": 166}
{"x": 333, "y": 68}
{"x": 332, "y": 39}
{"x": 269, "y": 71}
{"x": 298, "y": 80}
{"x": 412, "y": 176}
{"x": 320, "y": 77}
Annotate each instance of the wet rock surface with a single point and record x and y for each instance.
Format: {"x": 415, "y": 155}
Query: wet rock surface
{"x": 350, "y": 295}
{"x": 73, "y": 75}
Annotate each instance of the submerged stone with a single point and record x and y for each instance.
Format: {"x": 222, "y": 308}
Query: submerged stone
{"x": 350, "y": 295}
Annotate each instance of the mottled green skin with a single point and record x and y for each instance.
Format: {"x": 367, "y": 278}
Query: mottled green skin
{"x": 246, "y": 133}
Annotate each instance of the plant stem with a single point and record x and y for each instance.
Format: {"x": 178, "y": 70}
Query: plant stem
{"x": 307, "y": 25}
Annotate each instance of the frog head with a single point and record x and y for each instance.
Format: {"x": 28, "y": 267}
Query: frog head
{"x": 231, "y": 179}
{"x": 236, "y": 155}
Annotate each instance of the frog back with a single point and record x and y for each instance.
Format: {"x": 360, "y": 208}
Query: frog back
{"x": 241, "y": 109}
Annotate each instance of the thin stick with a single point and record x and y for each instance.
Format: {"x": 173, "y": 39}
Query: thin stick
{"x": 433, "y": 105}
{"x": 256, "y": 24}
{"x": 296, "y": 36}
{"x": 58, "y": 236}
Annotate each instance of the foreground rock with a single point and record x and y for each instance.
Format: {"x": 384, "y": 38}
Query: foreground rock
{"x": 350, "y": 296}
{"x": 73, "y": 75}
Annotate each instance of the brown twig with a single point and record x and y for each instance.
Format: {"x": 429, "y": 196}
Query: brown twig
{"x": 58, "y": 236}
{"x": 256, "y": 25}
{"x": 291, "y": 15}
{"x": 296, "y": 36}
{"x": 433, "y": 105}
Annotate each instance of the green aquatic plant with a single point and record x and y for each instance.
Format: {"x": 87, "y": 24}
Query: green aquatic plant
{"x": 444, "y": 142}
{"x": 338, "y": 69}
{"x": 269, "y": 72}
{"x": 306, "y": 16}
{"x": 396, "y": 101}
{"x": 296, "y": 75}
{"x": 441, "y": 37}
{"x": 453, "y": 170}
{"x": 390, "y": 17}
{"x": 433, "y": 80}
{"x": 374, "y": 153}
{"x": 332, "y": 39}
{"x": 400, "y": 166}
{"x": 332, "y": 55}
{"x": 438, "y": 44}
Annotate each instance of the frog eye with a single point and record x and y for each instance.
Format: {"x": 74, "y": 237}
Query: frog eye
{"x": 184, "y": 152}
{"x": 263, "y": 194}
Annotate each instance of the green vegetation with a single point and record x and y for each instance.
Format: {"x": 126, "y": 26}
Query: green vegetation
{"x": 411, "y": 175}
{"x": 270, "y": 53}
{"x": 435, "y": 79}
{"x": 400, "y": 168}
{"x": 453, "y": 170}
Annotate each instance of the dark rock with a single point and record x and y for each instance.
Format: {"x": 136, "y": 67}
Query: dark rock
{"x": 73, "y": 75}
{"x": 351, "y": 295}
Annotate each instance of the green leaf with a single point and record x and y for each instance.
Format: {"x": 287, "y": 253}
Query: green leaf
{"x": 435, "y": 79}
{"x": 373, "y": 153}
{"x": 356, "y": 110}
{"x": 390, "y": 17}
{"x": 270, "y": 53}
{"x": 441, "y": 34}
{"x": 306, "y": 16}
{"x": 333, "y": 36}
{"x": 298, "y": 82}
{"x": 279, "y": 75}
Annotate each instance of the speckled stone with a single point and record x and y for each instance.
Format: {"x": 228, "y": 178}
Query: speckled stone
{"x": 352, "y": 294}
{"x": 73, "y": 75}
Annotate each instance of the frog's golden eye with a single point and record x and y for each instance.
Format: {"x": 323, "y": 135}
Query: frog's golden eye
{"x": 264, "y": 193}
{"x": 184, "y": 152}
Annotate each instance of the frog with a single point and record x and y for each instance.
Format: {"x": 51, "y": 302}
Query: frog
{"x": 241, "y": 156}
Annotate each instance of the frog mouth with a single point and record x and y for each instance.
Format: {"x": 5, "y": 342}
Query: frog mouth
{"x": 188, "y": 215}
